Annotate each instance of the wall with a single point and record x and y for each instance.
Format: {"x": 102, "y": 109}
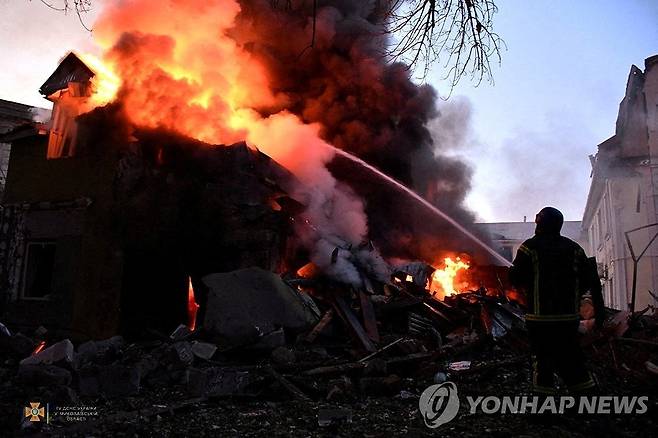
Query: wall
{"x": 624, "y": 194}
{"x": 64, "y": 201}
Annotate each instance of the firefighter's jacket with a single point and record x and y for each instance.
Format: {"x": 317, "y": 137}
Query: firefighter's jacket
{"x": 554, "y": 272}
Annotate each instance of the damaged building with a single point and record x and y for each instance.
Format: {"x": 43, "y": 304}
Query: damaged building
{"x": 105, "y": 230}
{"x": 13, "y": 115}
{"x": 621, "y": 215}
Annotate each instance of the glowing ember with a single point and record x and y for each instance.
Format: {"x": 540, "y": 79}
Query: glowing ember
{"x": 39, "y": 348}
{"x": 309, "y": 270}
{"x": 442, "y": 282}
{"x": 192, "y": 306}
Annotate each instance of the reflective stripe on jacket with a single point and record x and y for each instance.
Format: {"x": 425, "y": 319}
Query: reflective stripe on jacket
{"x": 553, "y": 270}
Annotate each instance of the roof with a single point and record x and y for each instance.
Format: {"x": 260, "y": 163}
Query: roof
{"x": 25, "y": 130}
{"x": 17, "y": 117}
{"x": 15, "y": 110}
{"x": 71, "y": 69}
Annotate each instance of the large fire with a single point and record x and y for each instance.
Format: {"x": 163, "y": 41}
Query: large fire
{"x": 190, "y": 66}
{"x": 178, "y": 68}
{"x": 442, "y": 283}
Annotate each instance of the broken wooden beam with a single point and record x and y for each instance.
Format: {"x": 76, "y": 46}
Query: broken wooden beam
{"x": 353, "y": 323}
{"x": 438, "y": 313}
{"x": 637, "y": 341}
{"x": 368, "y": 313}
{"x": 494, "y": 364}
{"x": 334, "y": 369}
{"x": 381, "y": 350}
{"x": 324, "y": 321}
{"x": 297, "y": 393}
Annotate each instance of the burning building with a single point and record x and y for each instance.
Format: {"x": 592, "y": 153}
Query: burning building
{"x": 107, "y": 232}
{"x": 623, "y": 197}
{"x": 142, "y": 183}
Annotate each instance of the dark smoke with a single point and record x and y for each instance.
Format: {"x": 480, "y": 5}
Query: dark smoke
{"x": 366, "y": 106}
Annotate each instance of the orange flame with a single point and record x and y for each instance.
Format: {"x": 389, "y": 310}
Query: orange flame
{"x": 442, "y": 281}
{"x": 39, "y": 348}
{"x": 182, "y": 66}
{"x": 192, "y": 306}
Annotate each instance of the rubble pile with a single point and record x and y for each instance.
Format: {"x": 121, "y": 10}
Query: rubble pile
{"x": 301, "y": 339}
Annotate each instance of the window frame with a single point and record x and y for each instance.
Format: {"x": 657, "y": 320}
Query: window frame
{"x": 28, "y": 244}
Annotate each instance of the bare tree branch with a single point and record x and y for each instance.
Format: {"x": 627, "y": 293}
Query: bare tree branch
{"x": 79, "y": 7}
{"x": 460, "y": 32}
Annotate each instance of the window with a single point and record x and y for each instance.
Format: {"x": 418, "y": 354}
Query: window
{"x": 38, "y": 273}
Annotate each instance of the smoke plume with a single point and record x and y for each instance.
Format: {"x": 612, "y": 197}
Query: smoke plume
{"x": 293, "y": 80}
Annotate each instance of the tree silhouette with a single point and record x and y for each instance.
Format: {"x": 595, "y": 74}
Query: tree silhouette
{"x": 422, "y": 32}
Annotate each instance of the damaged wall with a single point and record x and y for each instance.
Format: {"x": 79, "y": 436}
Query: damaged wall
{"x": 624, "y": 194}
{"x": 127, "y": 220}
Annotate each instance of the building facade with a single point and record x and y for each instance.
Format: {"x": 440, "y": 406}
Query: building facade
{"x": 13, "y": 115}
{"x": 506, "y": 237}
{"x": 623, "y": 196}
{"x": 103, "y": 227}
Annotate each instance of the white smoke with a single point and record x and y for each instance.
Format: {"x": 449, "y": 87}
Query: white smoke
{"x": 40, "y": 115}
{"x": 336, "y": 224}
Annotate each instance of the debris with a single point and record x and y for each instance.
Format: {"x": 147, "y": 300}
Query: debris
{"x": 40, "y": 332}
{"x": 4, "y": 331}
{"x": 118, "y": 380}
{"x": 319, "y": 327}
{"x": 283, "y": 356}
{"x": 381, "y": 350}
{"x": 59, "y": 353}
{"x": 405, "y": 395}
{"x": 91, "y": 351}
{"x": 18, "y": 345}
{"x": 423, "y": 327}
{"x": 485, "y": 320}
{"x": 459, "y": 366}
{"x": 288, "y": 386}
{"x": 493, "y": 365}
{"x": 216, "y": 382}
{"x": 651, "y": 367}
{"x": 271, "y": 340}
{"x": 339, "y": 388}
{"x": 334, "y": 369}
{"x": 356, "y": 328}
{"x": 244, "y": 304}
{"x": 43, "y": 375}
{"x": 636, "y": 341}
{"x": 375, "y": 367}
{"x": 380, "y": 386}
{"x": 180, "y": 333}
{"x": 368, "y": 313}
{"x": 88, "y": 384}
{"x": 418, "y": 271}
{"x": 440, "y": 377}
{"x": 181, "y": 355}
{"x": 618, "y": 326}
{"x": 328, "y": 417}
{"x": 203, "y": 350}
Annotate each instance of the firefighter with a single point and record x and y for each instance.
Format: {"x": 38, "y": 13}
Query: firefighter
{"x": 554, "y": 272}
